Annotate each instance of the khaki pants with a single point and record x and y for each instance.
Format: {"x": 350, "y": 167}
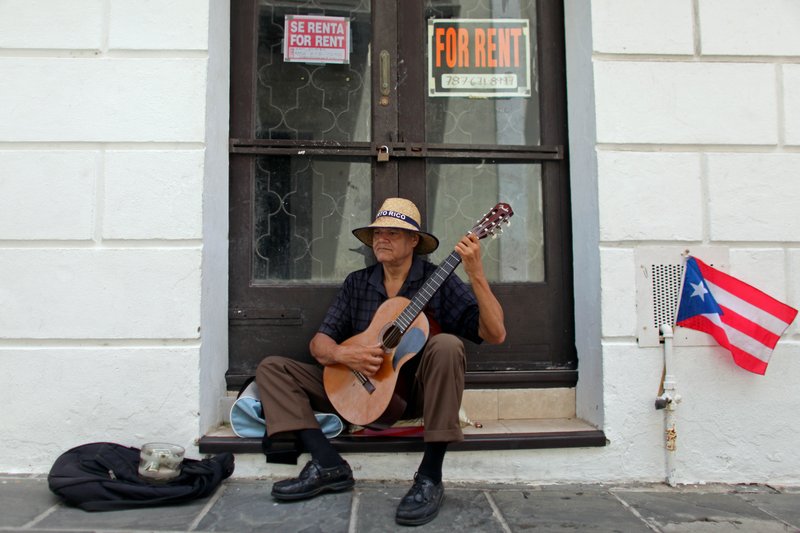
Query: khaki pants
{"x": 291, "y": 391}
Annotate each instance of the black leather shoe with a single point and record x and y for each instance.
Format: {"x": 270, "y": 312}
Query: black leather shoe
{"x": 313, "y": 480}
{"x": 421, "y": 503}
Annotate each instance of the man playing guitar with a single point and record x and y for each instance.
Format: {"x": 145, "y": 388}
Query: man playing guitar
{"x": 291, "y": 391}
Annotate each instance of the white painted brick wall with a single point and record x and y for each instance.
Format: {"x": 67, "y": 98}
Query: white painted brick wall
{"x": 618, "y": 294}
{"x": 158, "y": 24}
{"x": 793, "y": 286}
{"x": 153, "y": 194}
{"x": 77, "y": 24}
{"x": 764, "y": 268}
{"x": 100, "y": 293}
{"x": 102, "y": 100}
{"x": 685, "y": 102}
{"x": 631, "y": 420}
{"x": 754, "y": 197}
{"x": 744, "y": 27}
{"x": 636, "y": 27}
{"x": 129, "y": 395}
{"x": 47, "y": 194}
{"x": 697, "y": 113}
{"x": 104, "y": 147}
{"x": 724, "y": 409}
{"x": 791, "y": 96}
{"x": 649, "y": 196}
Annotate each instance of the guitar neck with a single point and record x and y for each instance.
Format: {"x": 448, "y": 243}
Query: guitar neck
{"x": 426, "y": 292}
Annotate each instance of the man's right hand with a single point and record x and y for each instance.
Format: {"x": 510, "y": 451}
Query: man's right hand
{"x": 364, "y": 359}
{"x": 358, "y": 357}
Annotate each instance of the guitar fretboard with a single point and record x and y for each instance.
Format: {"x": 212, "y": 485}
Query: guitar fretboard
{"x": 426, "y": 292}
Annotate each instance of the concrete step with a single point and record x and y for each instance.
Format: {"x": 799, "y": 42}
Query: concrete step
{"x": 496, "y": 419}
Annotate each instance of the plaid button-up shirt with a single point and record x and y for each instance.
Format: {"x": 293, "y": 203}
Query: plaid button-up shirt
{"x": 453, "y": 306}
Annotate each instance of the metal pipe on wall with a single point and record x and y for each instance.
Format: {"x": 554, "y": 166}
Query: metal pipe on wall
{"x": 668, "y": 401}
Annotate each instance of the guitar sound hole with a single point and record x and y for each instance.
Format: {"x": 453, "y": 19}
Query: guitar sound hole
{"x": 391, "y": 337}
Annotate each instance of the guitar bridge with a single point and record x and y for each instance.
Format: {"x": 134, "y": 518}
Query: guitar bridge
{"x": 364, "y": 380}
{"x": 369, "y": 386}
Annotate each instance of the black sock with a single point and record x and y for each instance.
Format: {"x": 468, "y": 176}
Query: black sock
{"x": 432, "y": 460}
{"x": 317, "y": 444}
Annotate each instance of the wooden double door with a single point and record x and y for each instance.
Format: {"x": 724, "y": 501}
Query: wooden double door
{"x": 455, "y": 105}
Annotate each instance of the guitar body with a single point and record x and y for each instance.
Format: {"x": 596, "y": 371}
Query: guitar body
{"x": 377, "y": 405}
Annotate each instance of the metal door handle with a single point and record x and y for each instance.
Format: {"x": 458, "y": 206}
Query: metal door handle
{"x": 386, "y": 71}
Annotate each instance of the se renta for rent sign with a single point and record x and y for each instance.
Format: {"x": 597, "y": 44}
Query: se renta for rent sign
{"x": 479, "y": 58}
{"x": 316, "y": 39}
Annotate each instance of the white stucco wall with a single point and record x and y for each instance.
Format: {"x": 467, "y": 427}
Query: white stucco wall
{"x": 684, "y": 119}
{"x": 113, "y": 223}
{"x": 695, "y": 104}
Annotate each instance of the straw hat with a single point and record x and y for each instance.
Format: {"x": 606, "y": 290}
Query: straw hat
{"x": 399, "y": 213}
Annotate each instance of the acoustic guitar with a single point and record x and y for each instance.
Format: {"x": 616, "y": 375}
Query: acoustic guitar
{"x": 401, "y": 329}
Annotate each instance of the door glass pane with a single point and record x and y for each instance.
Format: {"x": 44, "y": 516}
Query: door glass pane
{"x": 479, "y": 119}
{"x": 307, "y": 101}
{"x": 304, "y": 210}
{"x": 459, "y": 194}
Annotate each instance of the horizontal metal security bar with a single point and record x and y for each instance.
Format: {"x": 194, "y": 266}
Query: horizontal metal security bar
{"x": 396, "y": 149}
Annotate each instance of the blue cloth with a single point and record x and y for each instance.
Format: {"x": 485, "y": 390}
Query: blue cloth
{"x": 247, "y": 417}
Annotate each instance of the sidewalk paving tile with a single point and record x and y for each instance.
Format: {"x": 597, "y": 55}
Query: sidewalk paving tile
{"x": 23, "y": 499}
{"x": 566, "y": 508}
{"x": 463, "y": 509}
{"x": 172, "y": 518}
{"x": 248, "y": 506}
{"x": 785, "y": 507}
{"x": 700, "y": 512}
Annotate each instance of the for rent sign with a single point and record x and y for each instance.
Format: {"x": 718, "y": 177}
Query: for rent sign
{"x": 479, "y": 57}
{"x": 316, "y": 39}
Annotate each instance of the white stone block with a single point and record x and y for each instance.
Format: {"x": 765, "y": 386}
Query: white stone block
{"x": 47, "y": 194}
{"x": 762, "y": 268}
{"x": 744, "y": 27}
{"x": 618, "y": 292}
{"x": 685, "y": 102}
{"x": 791, "y": 99}
{"x": 723, "y": 409}
{"x": 754, "y": 197}
{"x": 95, "y": 293}
{"x": 634, "y": 429}
{"x": 103, "y": 100}
{"x": 793, "y": 289}
{"x": 635, "y": 27}
{"x": 77, "y": 24}
{"x": 63, "y": 397}
{"x": 153, "y": 194}
{"x": 158, "y": 24}
{"x": 649, "y": 196}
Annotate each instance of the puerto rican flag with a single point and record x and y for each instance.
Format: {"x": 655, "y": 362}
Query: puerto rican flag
{"x": 741, "y": 318}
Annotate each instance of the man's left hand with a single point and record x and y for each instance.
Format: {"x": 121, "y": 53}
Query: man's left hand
{"x": 469, "y": 248}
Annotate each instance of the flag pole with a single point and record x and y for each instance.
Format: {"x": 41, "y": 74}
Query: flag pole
{"x": 669, "y": 398}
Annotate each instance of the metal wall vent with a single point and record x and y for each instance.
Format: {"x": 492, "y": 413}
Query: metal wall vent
{"x": 659, "y": 274}
{"x": 666, "y": 286}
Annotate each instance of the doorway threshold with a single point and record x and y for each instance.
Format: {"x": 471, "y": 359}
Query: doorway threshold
{"x": 516, "y": 434}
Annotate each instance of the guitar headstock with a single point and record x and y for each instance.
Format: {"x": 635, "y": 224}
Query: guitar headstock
{"x": 492, "y": 222}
